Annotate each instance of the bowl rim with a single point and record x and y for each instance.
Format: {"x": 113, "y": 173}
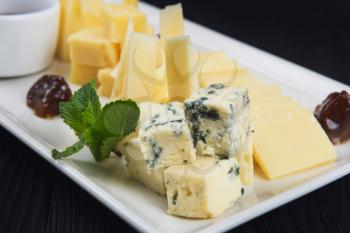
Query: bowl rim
{"x": 19, "y": 16}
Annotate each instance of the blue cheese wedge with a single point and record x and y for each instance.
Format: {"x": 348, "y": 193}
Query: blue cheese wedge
{"x": 203, "y": 189}
{"x": 163, "y": 139}
{"x": 219, "y": 119}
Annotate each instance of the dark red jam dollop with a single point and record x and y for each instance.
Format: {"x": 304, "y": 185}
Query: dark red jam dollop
{"x": 46, "y": 94}
{"x": 334, "y": 116}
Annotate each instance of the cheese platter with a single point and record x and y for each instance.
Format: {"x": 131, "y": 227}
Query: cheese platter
{"x": 171, "y": 131}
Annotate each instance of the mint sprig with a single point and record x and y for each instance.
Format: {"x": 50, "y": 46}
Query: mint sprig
{"x": 100, "y": 129}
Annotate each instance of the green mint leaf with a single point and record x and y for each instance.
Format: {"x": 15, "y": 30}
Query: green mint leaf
{"x": 100, "y": 130}
{"x": 82, "y": 110}
{"x": 86, "y": 94}
{"x": 75, "y": 148}
{"x": 94, "y": 139}
{"x": 72, "y": 117}
{"x": 89, "y": 116}
{"x": 108, "y": 146}
{"x": 120, "y": 117}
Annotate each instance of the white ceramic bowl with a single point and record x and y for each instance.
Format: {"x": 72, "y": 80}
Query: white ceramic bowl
{"x": 28, "y": 36}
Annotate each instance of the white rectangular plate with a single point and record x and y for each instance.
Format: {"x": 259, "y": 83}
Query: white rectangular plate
{"x": 144, "y": 210}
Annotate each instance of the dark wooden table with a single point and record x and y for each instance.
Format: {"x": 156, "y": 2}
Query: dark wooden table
{"x": 35, "y": 197}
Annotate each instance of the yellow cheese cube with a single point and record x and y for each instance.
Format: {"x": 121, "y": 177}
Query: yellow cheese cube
{"x": 70, "y": 21}
{"x": 171, "y": 21}
{"x": 116, "y": 18}
{"x": 182, "y": 67}
{"x": 91, "y": 13}
{"x": 134, "y": 3}
{"x": 290, "y": 143}
{"x": 105, "y": 81}
{"x": 141, "y": 82}
{"x": 89, "y": 47}
{"x": 82, "y": 74}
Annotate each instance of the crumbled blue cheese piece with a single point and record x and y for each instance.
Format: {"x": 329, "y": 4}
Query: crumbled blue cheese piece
{"x": 136, "y": 156}
{"x": 163, "y": 139}
{"x": 203, "y": 189}
{"x": 219, "y": 118}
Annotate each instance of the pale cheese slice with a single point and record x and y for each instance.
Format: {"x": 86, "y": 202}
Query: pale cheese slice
{"x": 119, "y": 70}
{"x": 141, "y": 82}
{"x": 270, "y": 109}
{"x": 171, "y": 21}
{"x": 291, "y": 142}
{"x": 217, "y": 67}
{"x": 182, "y": 64}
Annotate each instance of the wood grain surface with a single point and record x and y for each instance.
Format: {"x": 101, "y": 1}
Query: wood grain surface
{"x": 35, "y": 197}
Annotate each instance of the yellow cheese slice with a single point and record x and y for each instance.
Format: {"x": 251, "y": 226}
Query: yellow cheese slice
{"x": 216, "y": 67}
{"x": 141, "y": 82}
{"x": 105, "y": 82}
{"x": 265, "y": 91}
{"x": 89, "y": 47}
{"x": 182, "y": 67}
{"x": 82, "y": 74}
{"x": 71, "y": 21}
{"x": 268, "y": 110}
{"x": 243, "y": 78}
{"x": 289, "y": 143}
{"x": 171, "y": 21}
{"x": 119, "y": 71}
{"x": 150, "y": 30}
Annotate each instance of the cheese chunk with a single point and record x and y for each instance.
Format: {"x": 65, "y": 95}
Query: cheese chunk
{"x": 165, "y": 125}
{"x": 134, "y": 3}
{"x": 89, "y": 47}
{"x": 219, "y": 118}
{"x": 171, "y": 21}
{"x": 137, "y": 153}
{"x": 182, "y": 65}
{"x": 82, "y": 74}
{"x": 71, "y": 20}
{"x": 163, "y": 139}
{"x": 217, "y": 67}
{"x": 91, "y": 13}
{"x": 289, "y": 143}
{"x": 105, "y": 82}
{"x": 116, "y": 18}
{"x": 204, "y": 189}
{"x": 141, "y": 81}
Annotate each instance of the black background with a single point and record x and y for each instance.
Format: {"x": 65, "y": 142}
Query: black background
{"x": 35, "y": 197}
